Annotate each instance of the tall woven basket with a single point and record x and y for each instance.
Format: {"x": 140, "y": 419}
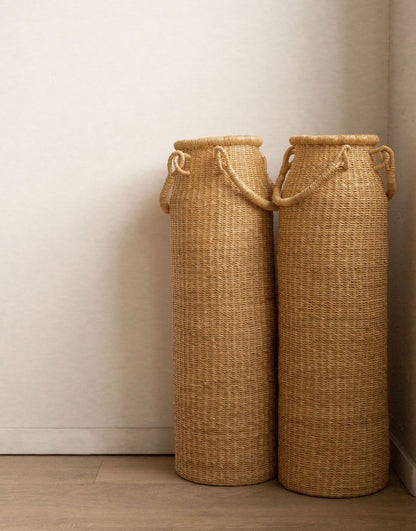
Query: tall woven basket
{"x": 223, "y": 310}
{"x": 332, "y": 258}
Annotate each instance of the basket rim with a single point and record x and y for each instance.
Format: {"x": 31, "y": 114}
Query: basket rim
{"x": 209, "y": 141}
{"x": 357, "y": 140}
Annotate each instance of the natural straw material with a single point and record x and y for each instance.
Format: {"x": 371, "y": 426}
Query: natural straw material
{"x": 332, "y": 257}
{"x": 224, "y": 316}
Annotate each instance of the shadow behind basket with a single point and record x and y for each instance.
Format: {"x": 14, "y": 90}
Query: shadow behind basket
{"x": 223, "y": 310}
{"x": 332, "y": 254}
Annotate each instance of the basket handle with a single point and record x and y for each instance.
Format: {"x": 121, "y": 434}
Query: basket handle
{"x": 226, "y": 167}
{"x": 179, "y": 159}
{"x": 386, "y": 156}
{"x": 340, "y": 163}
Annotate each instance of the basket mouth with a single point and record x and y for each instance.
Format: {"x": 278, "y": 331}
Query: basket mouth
{"x": 357, "y": 140}
{"x": 241, "y": 140}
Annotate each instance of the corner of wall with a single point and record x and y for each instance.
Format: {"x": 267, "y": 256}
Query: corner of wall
{"x": 403, "y": 464}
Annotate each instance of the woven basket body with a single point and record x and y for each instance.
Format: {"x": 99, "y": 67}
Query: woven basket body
{"x": 223, "y": 315}
{"x": 332, "y": 257}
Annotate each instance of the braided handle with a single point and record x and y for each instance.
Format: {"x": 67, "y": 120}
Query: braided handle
{"x": 340, "y": 163}
{"x": 179, "y": 159}
{"x": 386, "y": 156}
{"x": 226, "y": 167}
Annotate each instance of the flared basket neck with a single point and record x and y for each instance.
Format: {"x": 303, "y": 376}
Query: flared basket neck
{"x": 334, "y": 140}
{"x": 198, "y": 143}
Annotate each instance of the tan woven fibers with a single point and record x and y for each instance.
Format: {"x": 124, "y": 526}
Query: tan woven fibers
{"x": 332, "y": 257}
{"x": 340, "y": 140}
{"x": 224, "y": 315}
{"x": 241, "y": 140}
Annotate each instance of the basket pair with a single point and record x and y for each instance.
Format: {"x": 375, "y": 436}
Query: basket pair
{"x": 331, "y": 265}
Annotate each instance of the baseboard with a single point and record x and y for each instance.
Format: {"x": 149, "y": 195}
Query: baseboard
{"x": 403, "y": 464}
{"x": 86, "y": 441}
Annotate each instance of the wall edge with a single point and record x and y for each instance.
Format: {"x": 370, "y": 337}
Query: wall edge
{"x": 403, "y": 464}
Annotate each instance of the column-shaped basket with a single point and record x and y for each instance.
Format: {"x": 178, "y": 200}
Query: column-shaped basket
{"x": 224, "y": 315}
{"x": 332, "y": 255}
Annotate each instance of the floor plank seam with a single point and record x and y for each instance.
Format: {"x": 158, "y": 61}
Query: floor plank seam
{"x": 98, "y": 471}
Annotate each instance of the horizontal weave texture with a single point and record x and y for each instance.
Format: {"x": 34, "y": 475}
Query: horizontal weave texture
{"x": 224, "y": 317}
{"x": 332, "y": 285}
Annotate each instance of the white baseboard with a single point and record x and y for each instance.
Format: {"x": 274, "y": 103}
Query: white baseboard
{"x": 403, "y": 464}
{"x": 86, "y": 441}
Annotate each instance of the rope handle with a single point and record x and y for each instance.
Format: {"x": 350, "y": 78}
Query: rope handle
{"x": 178, "y": 158}
{"x": 386, "y": 157}
{"x": 340, "y": 163}
{"x": 226, "y": 167}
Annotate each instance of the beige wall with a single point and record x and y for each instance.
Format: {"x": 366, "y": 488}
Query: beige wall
{"x": 402, "y": 137}
{"x": 93, "y": 94}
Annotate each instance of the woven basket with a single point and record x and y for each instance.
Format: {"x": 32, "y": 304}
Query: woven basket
{"x": 223, "y": 310}
{"x": 332, "y": 257}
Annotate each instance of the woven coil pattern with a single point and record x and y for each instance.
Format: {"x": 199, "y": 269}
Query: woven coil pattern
{"x": 332, "y": 254}
{"x": 224, "y": 315}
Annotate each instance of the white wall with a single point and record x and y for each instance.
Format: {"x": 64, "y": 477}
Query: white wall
{"x": 402, "y": 334}
{"x": 93, "y": 94}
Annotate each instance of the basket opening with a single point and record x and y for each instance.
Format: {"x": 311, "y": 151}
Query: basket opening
{"x": 242, "y": 140}
{"x": 357, "y": 140}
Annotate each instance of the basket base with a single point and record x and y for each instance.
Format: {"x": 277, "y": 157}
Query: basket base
{"x": 223, "y": 483}
{"x": 321, "y": 494}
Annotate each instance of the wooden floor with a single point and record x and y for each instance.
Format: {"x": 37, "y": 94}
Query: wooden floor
{"x": 143, "y": 492}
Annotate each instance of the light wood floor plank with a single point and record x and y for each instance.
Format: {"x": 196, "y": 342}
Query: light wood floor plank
{"x": 138, "y": 470}
{"x": 48, "y": 469}
{"x": 127, "y": 495}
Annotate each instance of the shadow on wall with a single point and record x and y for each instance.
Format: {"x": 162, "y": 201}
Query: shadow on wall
{"x": 402, "y": 305}
{"x": 359, "y": 91}
{"x": 144, "y": 311}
